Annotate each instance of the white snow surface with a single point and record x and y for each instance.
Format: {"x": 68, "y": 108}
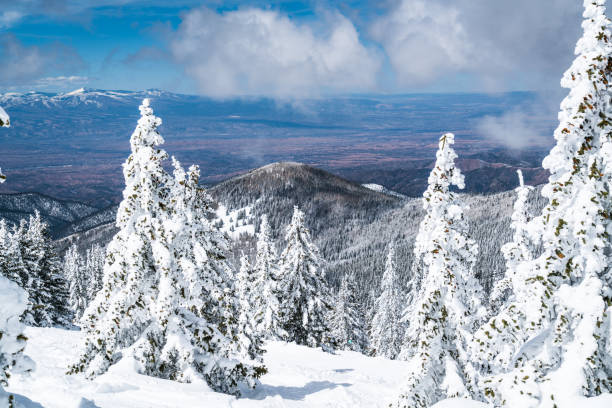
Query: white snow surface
{"x": 298, "y": 377}
{"x": 4, "y": 117}
{"x": 384, "y": 190}
{"x": 230, "y": 219}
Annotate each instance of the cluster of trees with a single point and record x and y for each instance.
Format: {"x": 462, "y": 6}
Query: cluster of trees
{"x": 545, "y": 338}
{"x": 84, "y": 275}
{"x": 27, "y": 258}
{"x": 167, "y": 296}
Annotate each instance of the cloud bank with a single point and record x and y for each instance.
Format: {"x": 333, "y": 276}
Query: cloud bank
{"x": 262, "y": 52}
{"x": 499, "y": 45}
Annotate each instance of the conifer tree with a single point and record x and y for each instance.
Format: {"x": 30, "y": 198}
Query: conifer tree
{"x": 551, "y": 345}
{"x": 94, "y": 270}
{"x": 167, "y": 288}
{"x": 347, "y": 319}
{"x": 265, "y": 288}
{"x": 447, "y": 308}
{"x": 517, "y": 251}
{"x": 250, "y": 338}
{"x": 79, "y": 282}
{"x": 304, "y": 293}
{"x": 386, "y": 330}
{"x": 45, "y": 284}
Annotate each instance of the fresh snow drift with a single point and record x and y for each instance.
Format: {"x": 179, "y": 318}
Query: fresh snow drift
{"x": 298, "y": 377}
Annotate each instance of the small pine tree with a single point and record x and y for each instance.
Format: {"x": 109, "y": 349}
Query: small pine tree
{"x": 44, "y": 282}
{"x": 78, "y": 279}
{"x": 94, "y": 270}
{"x": 447, "y": 308}
{"x": 347, "y": 319}
{"x": 515, "y": 252}
{"x": 265, "y": 287}
{"x": 551, "y": 344}
{"x": 386, "y": 330}
{"x": 306, "y": 302}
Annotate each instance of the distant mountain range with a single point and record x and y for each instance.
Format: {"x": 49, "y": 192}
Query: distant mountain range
{"x": 71, "y": 145}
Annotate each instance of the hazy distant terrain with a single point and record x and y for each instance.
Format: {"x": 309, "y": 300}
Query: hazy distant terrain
{"x": 71, "y": 146}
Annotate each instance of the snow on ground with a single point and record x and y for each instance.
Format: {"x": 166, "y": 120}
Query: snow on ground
{"x": 298, "y": 377}
{"x": 233, "y": 226}
{"x": 383, "y": 190}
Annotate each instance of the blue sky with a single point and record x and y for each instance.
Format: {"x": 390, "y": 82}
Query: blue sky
{"x": 287, "y": 48}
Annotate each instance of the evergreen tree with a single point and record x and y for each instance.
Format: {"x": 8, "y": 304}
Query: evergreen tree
{"x": 251, "y": 339}
{"x": 167, "y": 288}
{"x": 78, "y": 279}
{"x": 551, "y": 344}
{"x": 304, "y": 293}
{"x": 347, "y": 319}
{"x": 386, "y": 330}
{"x": 94, "y": 270}
{"x": 517, "y": 251}
{"x": 45, "y": 284}
{"x": 265, "y": 288}
{"x": 447, "y": 308}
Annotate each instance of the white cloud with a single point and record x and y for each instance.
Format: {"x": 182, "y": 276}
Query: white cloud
{"x": 261, "y": 52}
{"x": 61, "y": 81}
{"x": 501, "y": 44}
{"x": 9, "y": 17}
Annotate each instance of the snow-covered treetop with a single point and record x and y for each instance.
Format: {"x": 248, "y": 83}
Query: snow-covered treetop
{"x": 438, "y": 200}
{"x": 146, "y": 181}
{"x": 5, "y": 121}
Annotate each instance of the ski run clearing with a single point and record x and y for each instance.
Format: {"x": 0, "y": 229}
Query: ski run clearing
{"x": 298, "y": 377}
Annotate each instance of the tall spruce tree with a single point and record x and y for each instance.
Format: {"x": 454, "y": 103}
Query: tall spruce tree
{"x": 78, "y": 279}
{"x": 304, "y": 293}
{"x": 519, "y": 250}
{"x": 386, "y": 330}
{"x": 265, "y": 288}
{"x": 94, "y": 270}
{"x": 167, "y": 288}
{"x": 551, "y": 345}
{"x": 347, "y": 319}
{"x": 447, "y": 308}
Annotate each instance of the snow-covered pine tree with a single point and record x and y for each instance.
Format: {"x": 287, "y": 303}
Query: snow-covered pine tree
{"x": 167, "y": 288}
{"x": 517, "y": 251}
{"x": 304, "y": 293}
{"x": 45, "y": 284}
{"x": 347, "y": 319}
{"x": 121, "y": 313}
{"x": 249, "y": 336}
{"x": 5, "y": 121}
{"x": 386, "y": 330}
{"x": 94, "y": 270}
{"x": 551, "y": 345}
{"x": 265, "y": 288}
{"x": 78, "y": 279}
{"x": 12, "y": 341}
{"x": 447, "y": 308}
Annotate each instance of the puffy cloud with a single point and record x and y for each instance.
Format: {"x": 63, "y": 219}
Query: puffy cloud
{"x": 25, "y": 65}
{"x": 499, "y": 44}
{"x": 262, "y": 52}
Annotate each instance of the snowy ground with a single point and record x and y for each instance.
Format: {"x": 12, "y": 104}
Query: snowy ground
{"x": 298, "y": 377}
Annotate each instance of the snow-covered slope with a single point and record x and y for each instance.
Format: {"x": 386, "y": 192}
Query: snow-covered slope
{"x": 384, "y": 190}
{"x": 298, "y": 377}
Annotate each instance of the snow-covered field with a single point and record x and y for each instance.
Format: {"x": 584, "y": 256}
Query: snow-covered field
{"x": 298, "y": 377}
